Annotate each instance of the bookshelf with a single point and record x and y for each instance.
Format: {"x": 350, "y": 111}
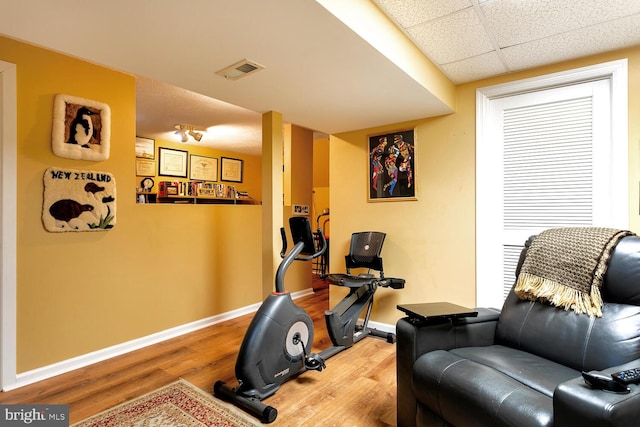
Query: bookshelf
{"x": 201, "y": 192}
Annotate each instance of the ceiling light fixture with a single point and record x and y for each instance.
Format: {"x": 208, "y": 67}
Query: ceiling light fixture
{"x": 195, "y": 135}
{"x": 187, "y": 130}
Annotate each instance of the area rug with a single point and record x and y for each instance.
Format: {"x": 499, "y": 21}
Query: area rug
{"x": 179, "y": 404}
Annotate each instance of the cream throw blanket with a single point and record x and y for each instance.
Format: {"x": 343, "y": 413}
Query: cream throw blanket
{"x": 566, "y": 267}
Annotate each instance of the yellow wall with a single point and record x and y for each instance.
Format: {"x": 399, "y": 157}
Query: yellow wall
{"x": 160, "y": 267}
{"x": 431, "y": 242}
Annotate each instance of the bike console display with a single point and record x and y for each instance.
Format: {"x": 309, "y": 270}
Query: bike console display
{"x": 301, "y": 232}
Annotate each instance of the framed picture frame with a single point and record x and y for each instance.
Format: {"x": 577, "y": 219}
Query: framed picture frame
{"x": 203, "y": 168}
{"x": 231, "y": 169}
{"x": 172, "y": 162}
{"x": 81, "y": 128}
{"x": 145, "y": 167}
{"x": 145, "y": 148}
{"x": 391, "y": 171}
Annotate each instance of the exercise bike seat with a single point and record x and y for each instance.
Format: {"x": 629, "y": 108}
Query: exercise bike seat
{"x": 364, "y": 252}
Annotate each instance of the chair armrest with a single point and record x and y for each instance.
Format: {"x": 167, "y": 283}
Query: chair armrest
{"x": 416, "y": 339}
{"x": 575, "y": 403}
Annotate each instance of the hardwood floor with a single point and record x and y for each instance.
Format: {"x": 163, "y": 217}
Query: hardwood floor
{"x": 356, "y": 389}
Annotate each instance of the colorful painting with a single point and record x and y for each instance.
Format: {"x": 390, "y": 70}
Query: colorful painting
{"x": 392, "y": 172}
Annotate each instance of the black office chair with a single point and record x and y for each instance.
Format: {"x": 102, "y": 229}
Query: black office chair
{"x": 364, "y": 253}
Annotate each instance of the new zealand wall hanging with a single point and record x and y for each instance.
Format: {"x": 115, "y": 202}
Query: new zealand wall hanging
{"x": 78, "y": 200}
{"x": 81, "y": 128}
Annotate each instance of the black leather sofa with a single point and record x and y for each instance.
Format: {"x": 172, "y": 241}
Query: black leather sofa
{"x": 521, "y": 366}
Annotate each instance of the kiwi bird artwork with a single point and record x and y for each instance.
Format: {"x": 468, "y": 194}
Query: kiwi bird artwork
{"x": 78, "y": 200}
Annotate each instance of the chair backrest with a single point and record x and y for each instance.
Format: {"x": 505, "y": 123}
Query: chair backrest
{"x": 577, "y": 340}
{"x": 364, "y": 251}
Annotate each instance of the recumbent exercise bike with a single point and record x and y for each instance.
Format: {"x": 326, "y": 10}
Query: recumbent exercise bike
{"x": 277, "y": 344}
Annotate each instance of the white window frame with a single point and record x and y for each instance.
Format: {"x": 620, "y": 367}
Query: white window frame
{"x": 489, "y": 290}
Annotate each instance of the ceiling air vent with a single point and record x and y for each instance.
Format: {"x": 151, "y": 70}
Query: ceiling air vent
{"x": 240, "y": 69}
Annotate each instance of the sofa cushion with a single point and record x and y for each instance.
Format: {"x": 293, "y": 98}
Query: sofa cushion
{"x": 540, "y": 374}
{"x": 492, "y": 385}
{"x": 581, "y": 342}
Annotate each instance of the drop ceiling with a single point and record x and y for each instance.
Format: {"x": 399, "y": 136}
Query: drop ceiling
{"x": 474, "y": 39}
{"x": 318, "y": 72}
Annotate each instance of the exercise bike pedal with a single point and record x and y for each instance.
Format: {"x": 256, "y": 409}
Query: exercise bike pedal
{"x": 314, "y": 362}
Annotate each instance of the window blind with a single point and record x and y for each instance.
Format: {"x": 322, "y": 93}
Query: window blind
{"x": 547, "y": 170}
{"x": 510, "y": 255}
{"x": 548, "y": 165}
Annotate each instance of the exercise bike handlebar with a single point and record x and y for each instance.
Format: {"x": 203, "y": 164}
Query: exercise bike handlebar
{"x": 283, "y": 235}
{"x": 306, "y": 240}
{"x": 322, "y": 247}
{"x": 390, "y": 282}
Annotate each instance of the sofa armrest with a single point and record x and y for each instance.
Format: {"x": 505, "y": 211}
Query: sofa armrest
{"x": 416, "y": 339}
{"x": 445, "y": 334}
{"x": 575, "y": 403}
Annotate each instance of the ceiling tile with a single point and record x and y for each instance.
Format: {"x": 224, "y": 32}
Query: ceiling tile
{"x": 408, "y": 13}
{"x": 515, "y": 21}
{"x": 607, "y": 36}
{"x": 452, "y": 37}
{"x": 475, "y": 68}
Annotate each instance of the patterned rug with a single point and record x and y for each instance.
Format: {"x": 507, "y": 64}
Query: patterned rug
{"x": 180, "y": 404}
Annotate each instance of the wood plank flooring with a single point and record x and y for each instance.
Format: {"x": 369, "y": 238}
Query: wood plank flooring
{"x": 356, "y": 389}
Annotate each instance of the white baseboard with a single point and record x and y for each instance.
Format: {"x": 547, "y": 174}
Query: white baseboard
{"x": 39, "y": 374}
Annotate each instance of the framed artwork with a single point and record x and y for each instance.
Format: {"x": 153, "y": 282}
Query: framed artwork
{"x": 230, "y": 169}
{"x": 203, "y": 168}
{"x": 172, "y": 162}
{"x": 392, "y": 172}
{"x": 81, "y": 128}
{"x": 145, "y": 148}
{"x": 145, "y": 167}
{"x": 78, "y": 200}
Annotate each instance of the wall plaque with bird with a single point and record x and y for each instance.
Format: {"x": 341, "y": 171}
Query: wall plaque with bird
{"x": 78, "y": 200}
{"x": 81, "y": 128}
